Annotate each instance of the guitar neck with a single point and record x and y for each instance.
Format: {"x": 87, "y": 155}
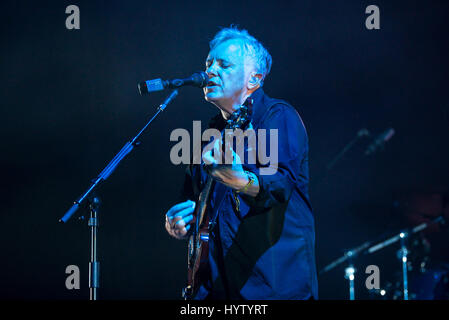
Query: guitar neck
{"x": 202, "y": 203}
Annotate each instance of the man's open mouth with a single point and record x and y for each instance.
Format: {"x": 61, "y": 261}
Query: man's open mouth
{"x": 211, "y": 84}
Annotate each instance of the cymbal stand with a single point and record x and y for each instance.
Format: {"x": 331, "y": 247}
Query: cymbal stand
{"x": 350, "y": 275}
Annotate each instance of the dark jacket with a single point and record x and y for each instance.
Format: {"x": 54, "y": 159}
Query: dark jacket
{"x": 266, "y": 249}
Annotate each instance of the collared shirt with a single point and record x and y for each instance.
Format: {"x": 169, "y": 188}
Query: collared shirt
{"x": 264, "y": 248}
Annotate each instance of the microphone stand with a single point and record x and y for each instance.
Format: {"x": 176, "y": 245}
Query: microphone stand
{"x": 360, "y": 134}
{"x": 94, "y": 265}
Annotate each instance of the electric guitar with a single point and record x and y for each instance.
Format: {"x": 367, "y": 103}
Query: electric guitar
{"x": 198, "y": 249}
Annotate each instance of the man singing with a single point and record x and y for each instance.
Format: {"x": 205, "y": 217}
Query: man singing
{"x": 262, "y": 237}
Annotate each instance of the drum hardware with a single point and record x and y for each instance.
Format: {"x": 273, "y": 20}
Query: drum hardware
{"x": 367, "y": 248}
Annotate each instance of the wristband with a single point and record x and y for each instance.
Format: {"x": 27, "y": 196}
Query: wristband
{"x": 250, "y": 182}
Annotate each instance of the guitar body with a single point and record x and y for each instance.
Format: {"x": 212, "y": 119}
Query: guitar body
{"x": 200, "y": 264}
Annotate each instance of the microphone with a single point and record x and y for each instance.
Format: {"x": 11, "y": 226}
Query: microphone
{"x": 198, "y": 79}
{"x": 363, "y": 132}
{"x": 379, "y": 141}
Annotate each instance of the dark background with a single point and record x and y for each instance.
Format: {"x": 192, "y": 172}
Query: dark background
{"x": 69, "y": 102}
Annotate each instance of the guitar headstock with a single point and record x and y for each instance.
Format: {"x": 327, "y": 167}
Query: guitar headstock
{"x": 239, "y": 118}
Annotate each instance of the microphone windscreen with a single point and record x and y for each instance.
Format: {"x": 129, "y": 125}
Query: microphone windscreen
{"x": 200, "y": 79}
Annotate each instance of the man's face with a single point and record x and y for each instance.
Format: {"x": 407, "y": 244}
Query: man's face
{"x": 228, "y": 75}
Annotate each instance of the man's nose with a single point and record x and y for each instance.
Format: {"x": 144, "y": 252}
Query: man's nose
{"x": 212, "y": 70}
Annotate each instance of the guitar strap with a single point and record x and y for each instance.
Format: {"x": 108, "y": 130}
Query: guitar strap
{"x": 221, "y": 191}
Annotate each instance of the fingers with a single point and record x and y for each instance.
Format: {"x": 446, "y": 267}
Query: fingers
{"x": 180, "y": 228}
{"x": 215, "y": 158}
{"x": 180, "y": 207}
{"x": 180, "y": 215}
{"x": 181, "y": 233}
{"x": 178, "y": 219}
{"x": 213, "y": 154}
{"x": 179, "y": 222}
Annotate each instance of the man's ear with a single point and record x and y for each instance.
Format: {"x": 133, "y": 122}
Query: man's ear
{"x": 254, "y": 81}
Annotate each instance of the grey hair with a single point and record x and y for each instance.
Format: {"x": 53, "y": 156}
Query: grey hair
{"x": 252, "y": 48}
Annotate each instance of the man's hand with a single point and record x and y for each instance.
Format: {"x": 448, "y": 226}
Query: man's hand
{"x": 230, "y": 174}
{"x": 178, "y": 219}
